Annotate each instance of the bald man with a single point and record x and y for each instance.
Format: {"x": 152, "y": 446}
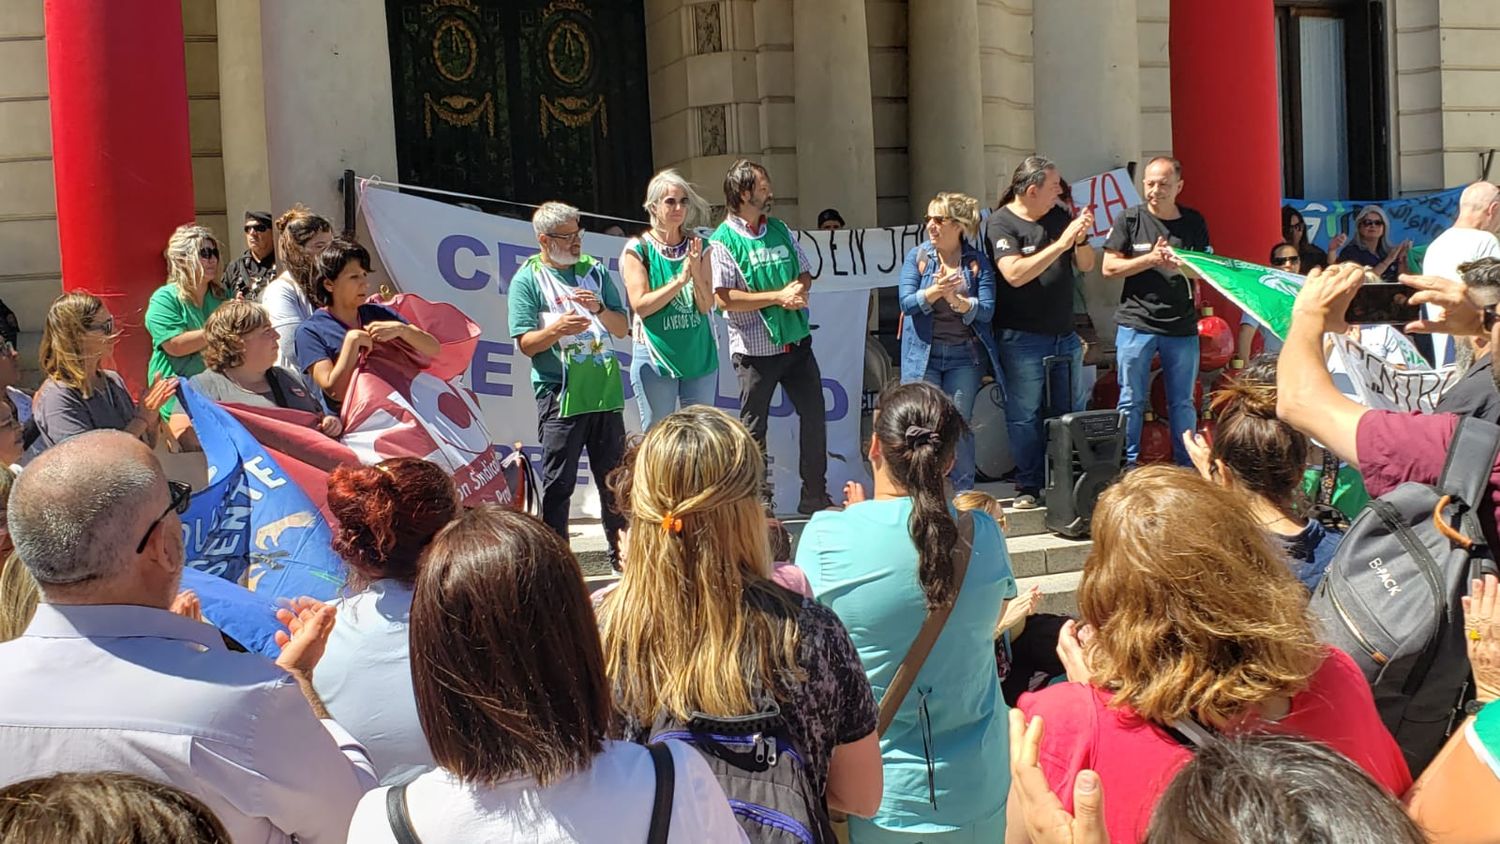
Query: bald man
{"x": 1471, "y": 238}
{"x": 106, "y": 678}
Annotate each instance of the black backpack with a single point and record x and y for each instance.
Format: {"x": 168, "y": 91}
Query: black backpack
{"x": 762, "y": 772}
{"x": 1391, "y": 597}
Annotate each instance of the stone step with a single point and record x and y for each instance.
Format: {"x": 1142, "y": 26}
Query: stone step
{"x": 1019, "y": 523}
{"x": 1046, "y": 554}
{"x": 1059, "y": 591}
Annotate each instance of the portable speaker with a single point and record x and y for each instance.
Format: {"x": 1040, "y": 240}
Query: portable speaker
{"x": 1085, "y": 452}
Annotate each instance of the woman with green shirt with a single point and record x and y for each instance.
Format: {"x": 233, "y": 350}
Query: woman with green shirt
{"x": 876, "y": 564}
{"x": 178, "y": 309}
{"x": 669, "y": 281}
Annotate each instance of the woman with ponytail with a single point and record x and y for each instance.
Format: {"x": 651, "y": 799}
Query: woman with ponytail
{"x": 387, "y": 514}
{"x": 301, "y": 236}
{"x": 876, "y": 564}
{"x": 697, "y": 625}
{"x": 1261, "y": 458}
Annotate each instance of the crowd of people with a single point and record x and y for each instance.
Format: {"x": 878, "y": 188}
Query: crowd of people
{"x": 882, "y": 680}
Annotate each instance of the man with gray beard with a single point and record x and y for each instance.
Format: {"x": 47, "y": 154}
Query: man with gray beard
{"x": 563, "y": 310}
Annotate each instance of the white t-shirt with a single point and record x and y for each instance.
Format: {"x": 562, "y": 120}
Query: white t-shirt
{"x": 288, "y": 308}
{"x": 609, "y": 802}
{"x": 1445, "y": 255}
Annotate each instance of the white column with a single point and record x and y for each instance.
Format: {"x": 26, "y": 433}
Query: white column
{"x": 242, "y": 112}
{"x": 835, "y": 125}
{"x": 328, "y": 102}
{"x": 945, "y": 103}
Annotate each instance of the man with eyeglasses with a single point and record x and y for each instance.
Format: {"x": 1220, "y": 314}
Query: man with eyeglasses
{"x": 249, "y": 275}
{"x": 107, "y": 678}
{"x": 563, "y": 310}
{"x": 762, "y": 281}
{"x": 1158, "y": 313}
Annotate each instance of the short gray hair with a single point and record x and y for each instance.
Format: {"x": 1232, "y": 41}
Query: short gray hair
{"x": 551, "y": 215}
{"x": 664, "y": 181}
{"x": 74, "y": 511}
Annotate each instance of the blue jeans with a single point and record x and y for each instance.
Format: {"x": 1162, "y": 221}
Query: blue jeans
{"x": 1021, "y": 356}
{"x": 658, "y": 394}
{"x": 955, "y": 367}
{"x": 1179, "y": 366}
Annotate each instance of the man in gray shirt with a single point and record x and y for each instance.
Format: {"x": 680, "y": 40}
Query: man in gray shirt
{"x": 105, "y": 678}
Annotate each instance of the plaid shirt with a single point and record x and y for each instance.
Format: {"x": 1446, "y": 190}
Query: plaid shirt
{"x": 747, "y": 331}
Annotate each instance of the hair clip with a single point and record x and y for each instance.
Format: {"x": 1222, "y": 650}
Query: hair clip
{"x": 671, "y": 523}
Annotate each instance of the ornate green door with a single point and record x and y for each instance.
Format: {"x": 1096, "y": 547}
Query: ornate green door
{"x": 526, "y": 100}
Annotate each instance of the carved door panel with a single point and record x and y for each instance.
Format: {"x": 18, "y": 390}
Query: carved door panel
{"x": 526, "y": 100}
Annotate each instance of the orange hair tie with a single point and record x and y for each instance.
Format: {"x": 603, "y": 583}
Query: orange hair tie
{"x": 671, "y": 523}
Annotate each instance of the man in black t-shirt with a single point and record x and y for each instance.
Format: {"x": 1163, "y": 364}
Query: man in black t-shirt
{"x": 1036, "y": 244}
{"x": 249, "y": 275}
{"x": 1157, "y": 314}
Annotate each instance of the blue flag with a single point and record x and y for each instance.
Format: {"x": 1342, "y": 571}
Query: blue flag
{"x": 252, "y": 524}
{"x": 247, "y": 617}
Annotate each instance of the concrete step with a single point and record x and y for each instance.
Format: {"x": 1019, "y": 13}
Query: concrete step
{"x": 1046, "y": 554}
{"x": 1059, "y": 591}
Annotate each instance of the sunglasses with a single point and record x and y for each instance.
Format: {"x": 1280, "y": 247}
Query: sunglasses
{"x": 1285, "y": 261}
{"x": 181, "y": 494}
{"x": 207, "y": 252}
{"x": 257, "y": 227}
{"x": 933, "y": 218}
{"x": 105, "y": 327}
{"x": 1297, "y": 226}
{"x": 1372, "y": 222}
{"x": 1489, "y": 316}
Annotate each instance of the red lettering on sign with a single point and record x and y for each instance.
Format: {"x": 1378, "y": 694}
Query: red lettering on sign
{"x": 1114, "y": 202}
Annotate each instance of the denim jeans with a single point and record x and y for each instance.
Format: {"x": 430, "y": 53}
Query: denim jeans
{"x": 1021, "y": 356}
{"x": 658, "y": 394}
{"x": 1179, "y": 366}
{"x": 955, "y": 367}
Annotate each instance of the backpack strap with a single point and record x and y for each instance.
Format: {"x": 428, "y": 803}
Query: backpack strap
{"x": 666, "y": 784}
{"x": 397, "y": 816}
{"x": 1466, "y": 474}
{"x": 932, "y": 627}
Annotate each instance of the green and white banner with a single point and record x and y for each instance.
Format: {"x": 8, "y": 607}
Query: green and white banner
{"x": 1264, "y": 293}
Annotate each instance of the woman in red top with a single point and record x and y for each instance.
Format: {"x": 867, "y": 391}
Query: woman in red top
{"x": 1191, "y": 615}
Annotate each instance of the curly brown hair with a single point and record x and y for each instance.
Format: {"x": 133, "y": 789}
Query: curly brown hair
{"x": 1195, "y": 609}
{"x": 387, "y": 513}
{"x": 225, "y": 330}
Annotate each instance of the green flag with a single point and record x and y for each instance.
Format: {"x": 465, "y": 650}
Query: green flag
{"x": 1264, "y": 293}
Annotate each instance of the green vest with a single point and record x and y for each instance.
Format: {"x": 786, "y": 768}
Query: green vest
{"x": 768, "y": 263}
{"x": 679, "y": 336}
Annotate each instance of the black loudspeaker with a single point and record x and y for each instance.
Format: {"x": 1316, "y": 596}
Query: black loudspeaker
{"x": 1085, "y": 452}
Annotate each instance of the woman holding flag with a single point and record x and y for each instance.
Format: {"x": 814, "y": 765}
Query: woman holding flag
{"x": 329, "y": 343}
{"x": 669, "y": 281}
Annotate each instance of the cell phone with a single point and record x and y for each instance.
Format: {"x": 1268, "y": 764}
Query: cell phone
{"x": 1382, "y": 303}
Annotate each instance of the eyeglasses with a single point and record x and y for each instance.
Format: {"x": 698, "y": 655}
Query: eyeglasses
{"x": 566, "y": 237}
{"x": 256, "y": 227}
{"x": 1372, "y": 222}
{"x": 1284, "y": 261}
{"x": 207, "y": 252}
{"x": 107, "y": 326}
{"x": 181, "y": 494}
{"x": 940, "y": 220}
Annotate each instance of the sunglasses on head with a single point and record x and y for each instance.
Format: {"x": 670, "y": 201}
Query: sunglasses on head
{"x": 1372, "y": 222}
{"x": 256, "y": 227}
{"x": 206, "y": 252}
{"x": 1284, "y": 261}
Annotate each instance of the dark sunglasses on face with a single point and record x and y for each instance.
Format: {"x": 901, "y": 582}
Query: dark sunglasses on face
{"x": 256, "y": 227}
{"x": 107, "y": 326}
{"x": 207, "y": 252}
{"x": 1297, "y": 226}
{"x": 1489, "y": 316}
{"x": 932, "y": 218}
{"x": 1284, "y": 261}
{"x": 1372, "y": 222}
{"x": 181, "y": 494}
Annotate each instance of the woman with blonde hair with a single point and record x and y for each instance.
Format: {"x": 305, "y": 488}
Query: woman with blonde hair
{"x": 178, "y": 309}
{"x": 669, "y": 280}
{"x": 78, "y": 395}
{"x": 697, "y": 627}
{"x": 1371, "y": 244}
{"x": 947, "y": 299}
{"x": 301, "y": 236}
{"x": 1192, "y": 625}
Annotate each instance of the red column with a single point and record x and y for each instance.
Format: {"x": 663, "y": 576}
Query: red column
{"x": 1224, "y": 124}
{"x": 118, "y": 87}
